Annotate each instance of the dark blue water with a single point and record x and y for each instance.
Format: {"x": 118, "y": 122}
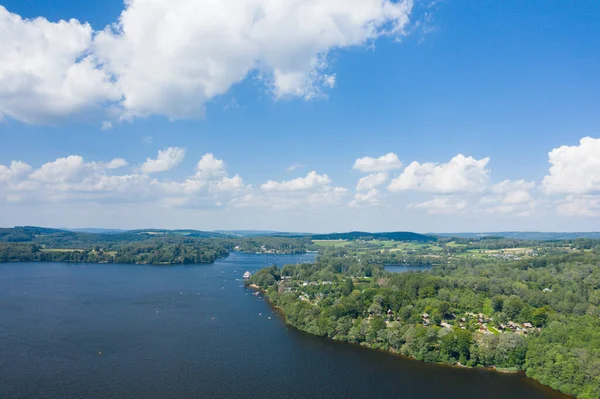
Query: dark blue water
{"x": 125, "y": 331}
{"x": 404, "y": 269}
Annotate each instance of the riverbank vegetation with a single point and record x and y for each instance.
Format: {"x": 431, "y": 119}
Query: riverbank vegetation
{"x": 480, "y": 304}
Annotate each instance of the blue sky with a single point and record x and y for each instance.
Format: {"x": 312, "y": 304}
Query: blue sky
{"x": 509, "y": 80}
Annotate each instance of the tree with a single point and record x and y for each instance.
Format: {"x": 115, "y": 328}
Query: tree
{"x": 456, "y": 345}
{"x": 497, "y": 303}
{"x": 444, "y": 309}
{"x": 513, "y": 306}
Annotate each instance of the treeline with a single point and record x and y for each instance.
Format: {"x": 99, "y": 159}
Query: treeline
{"x": 456, "y": 313}
{"x": 139, "y": 253}
{"x": 496, "y": 243}
{"x": 281, "y": 245}
{"x": 361, "y": 235}
{"x": 36, "y": 244}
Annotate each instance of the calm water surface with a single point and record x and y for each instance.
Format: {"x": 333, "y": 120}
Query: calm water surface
{"x": 126, "y": 331}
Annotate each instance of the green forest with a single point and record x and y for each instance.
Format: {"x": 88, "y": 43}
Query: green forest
{"x": 158, "y": 247}
{"x": 538, "y": 312}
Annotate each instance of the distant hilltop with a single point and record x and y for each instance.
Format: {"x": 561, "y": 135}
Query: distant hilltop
{"x": 361, "y": 235}
{"x": 26, "y": 233}
{"x": 526, "y": 235}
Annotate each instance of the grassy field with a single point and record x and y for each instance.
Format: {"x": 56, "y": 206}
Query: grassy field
{"x": 383, "y": 245}
{"x": 454, "y": 244}
{"x": 331, "y": 243}
{"x": 508, "y": 251}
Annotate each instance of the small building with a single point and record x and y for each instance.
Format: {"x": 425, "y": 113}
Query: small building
{"x": 527, "y": 325}
{"x": 247, "y": 275}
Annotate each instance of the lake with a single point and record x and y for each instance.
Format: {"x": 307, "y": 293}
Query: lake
{"x": 127, "y": 331}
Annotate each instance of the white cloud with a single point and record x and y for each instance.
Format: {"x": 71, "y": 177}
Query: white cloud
{"x": 166, "y": 160}
{"x": 382, "y": 164}
{"x": 329, "y": 80}
{"x": 575, "y": 169}
{"x": 73, "y": 179}
{"x": 442, "y": 205}
{"x": 14, "y": 171}
{"x": 229, "y": 184}
{"x": 209, "y": 166}
{"x": 312, "y": 181}
{"x": 57, "y": 70}
{"x": 115, "y": 164}
{"x": 208, "y": 46}
{"x": 510, "y": 197}
{"x": 311, "y": 191}
{"x": 61, "y": 170}
{"x": 370, "y": 198}
{"x": 371, "y": 181}
{"x": 295, "y": 166}
{"x": 580, "y": 205}
{"x": 462, "y": 174}
{"x": 47, "y": 71}
{"x": 289, "y": 200}
{"x": 211, "y": 176}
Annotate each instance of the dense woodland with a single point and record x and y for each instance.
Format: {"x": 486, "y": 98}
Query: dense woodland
{"x": 35, "y": 244}
{"x": 458, "y": 312}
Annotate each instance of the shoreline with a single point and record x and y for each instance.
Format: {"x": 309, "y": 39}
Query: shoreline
{"x": 494, "y": 369}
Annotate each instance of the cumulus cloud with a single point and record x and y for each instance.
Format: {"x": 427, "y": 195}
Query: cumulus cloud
{"x": 209, "y": 166}
{"x": 574, "y": 169}
{"x": 461, "y": 174}
{"x": 310, "y": 191}
{"x": 312, "y": 181}
{"x": 442, "y": 205}
{"x": 575, "y": 173}
{"x": 54, "y": 70}
{"x": 510, "y": 197}
{"x": 14, "y": 171}
{"x": 370, "y": 198}
{"x": 61, "y": 170}
{"x": 382, "y": 164}
{"x": 74, "y": 179}
{"x": 580, "y": 205}
{"x": 72, "y": 168}
{"x": 371, "y": 181}
{"x": 166, "y": 160}
{"x": 47, "y": 71}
